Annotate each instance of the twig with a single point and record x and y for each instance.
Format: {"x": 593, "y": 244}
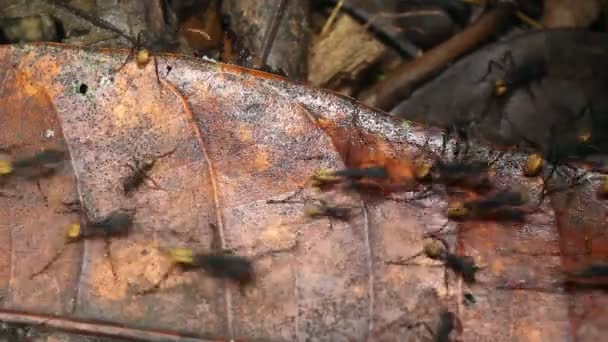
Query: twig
{"x": 272, "y": 30}
{"x": 385, "y": 94}
{"x": 393, "y": 39}
{"x": 332, "y": 17}
{"x": 92, "y": 19}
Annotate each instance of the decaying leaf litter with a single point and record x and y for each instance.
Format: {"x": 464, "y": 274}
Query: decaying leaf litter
{"x": 403, "y": 171}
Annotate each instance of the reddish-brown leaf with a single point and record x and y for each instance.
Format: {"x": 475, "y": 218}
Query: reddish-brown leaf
{"x": 242, "y": 138}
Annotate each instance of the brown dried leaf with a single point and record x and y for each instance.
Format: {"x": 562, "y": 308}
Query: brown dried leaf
{"x": 244, "y": 137}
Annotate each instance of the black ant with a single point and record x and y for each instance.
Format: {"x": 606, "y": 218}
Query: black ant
{"x": 498, "y": 206}
{"x": 326, "y": 178}
{"x": 512, "y": 75}
{"x": 596, "y": 270}
{"x": 438, "y": 250}
{"x": 42, "y": 164}
{"x": 115, "y": 224}
{"x": 140, "y": 173}
{"x": 320, "y": 208}
{"x": 461, "y": 172}
{"x": 219, "y": 265}
{"x": 145, "y": 43}
{"x": 559, "y": 151}
{"x": 472, "y": 174}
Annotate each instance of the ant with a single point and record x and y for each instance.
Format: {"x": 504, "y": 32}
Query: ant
{"x": 596, "y": 270}
{"x": 219, "y": 265}
{"x": 115, "y": 224}
{"x": 140, "y": 173}
{"x": 42, "y": 164}
{"x": 438, "y": 250}
{"x": 461, "y": 171}
{"x": 512, "y": 75}
{"x": 469, "y": 174}
{"x": 498, "y": 206}
{"x": 326, "y": 178}
{"x": 145, "y": 43}
{"x": 559, "y": 152}
{"x": 320, "y": 208}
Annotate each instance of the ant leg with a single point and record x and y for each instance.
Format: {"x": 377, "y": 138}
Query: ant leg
{"x": 508, "y": 61}
{"x": 446, "y": 280}
{"x": 289, "y": 199}
{"x": 403, "y": 261}
{"x": 156, "y": 286}
{"x": 545, "y": 192}
{"x": 436, "y": 232}
{"x": 132, "y": 167}
{"x": 578, "y": 180}
{"x": 156, "y": 70}
{"x": 491, "y": 63}
{"x": 48, "y": 264}
{"x": 109, "y": 256}
{"x": 129, "y": 57}
{"x": 444, "y": 139}
{"x": 46, "y": 200}
{"x": 417, "y": 324}
{"x": 499, "y": 155}
{"x": 166, "y": 154}
{"x": 156, "y": 186}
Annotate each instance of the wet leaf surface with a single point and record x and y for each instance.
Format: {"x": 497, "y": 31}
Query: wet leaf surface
{"x": 243, "y": 138}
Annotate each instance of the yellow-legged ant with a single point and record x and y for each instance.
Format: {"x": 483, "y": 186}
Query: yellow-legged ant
{"x": 500, "y": 206}
{"x": 560, "y": 150}
{"x": 41, "y": 164}
{"x": 220, "y": 265}
{"x": 437, "y": 249}
{"x": 115, "y": 224}
{"x": 139, "y": 173}
{"x": 146, "y": 42}
{"x": 327, "y": 178}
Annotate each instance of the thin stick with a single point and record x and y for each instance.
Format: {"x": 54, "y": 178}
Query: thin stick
{"x": 101, "y": 23}
{"x": 332, "y": 17}
{"x": 272, "y": 30}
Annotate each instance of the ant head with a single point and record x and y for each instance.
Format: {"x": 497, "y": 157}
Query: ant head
{"x": 423, "y": 171}
{"x": 142, "y": 58}
{"x": 324, "y": 177}
{"x": 147, "y": 163}
{"x": 313, "y": 209}
{"x": 457, "y": 210}
{"x": 534, "y": 165}
{"x": 434, "y": 249}
{"x": 182, "y": 255}
{"x": 5, "y": 167}
{"x": 73, "y": 232}
{"x": 584, "y": 135}
{"x": 500, "y": 88}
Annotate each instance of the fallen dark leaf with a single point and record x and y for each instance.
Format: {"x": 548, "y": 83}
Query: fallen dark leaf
{"x": 242, "y": 138}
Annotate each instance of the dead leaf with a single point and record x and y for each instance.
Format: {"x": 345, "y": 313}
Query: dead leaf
{"x": 243, "y": 137}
